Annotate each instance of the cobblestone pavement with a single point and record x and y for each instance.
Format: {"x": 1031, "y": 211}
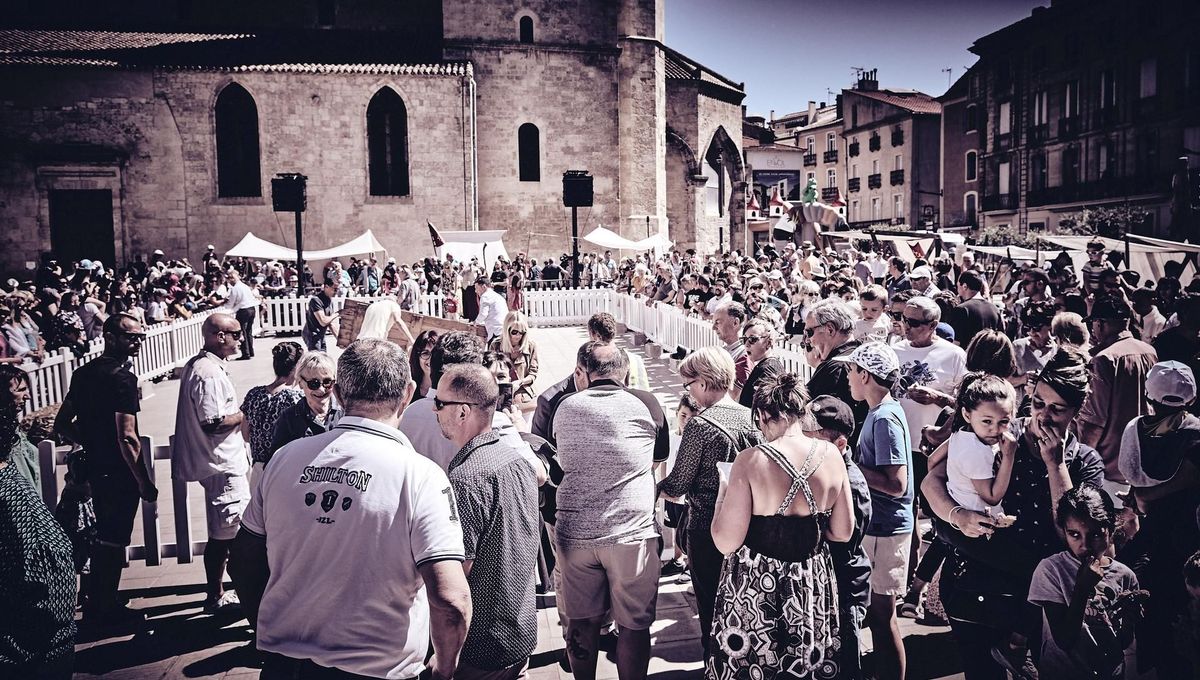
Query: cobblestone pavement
{"x": 179, "y": 641}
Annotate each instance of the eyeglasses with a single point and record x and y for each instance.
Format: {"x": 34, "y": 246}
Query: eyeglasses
{"x": 751, "y": 339}
{"x": 514, "y": 331}
{"x": 236, "y": 335}
{"x": 809, "y": 332}
{"x": 896, "y": 315}
{"x": 318, "y": 383}
{"x": 134, "y": 337}
{"x": 917, "y": 323}
{"x": 687, "y": 385}
{"x": 438, "y": 404}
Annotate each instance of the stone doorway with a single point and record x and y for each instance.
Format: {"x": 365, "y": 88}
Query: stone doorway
{"x": 81, "y": 225}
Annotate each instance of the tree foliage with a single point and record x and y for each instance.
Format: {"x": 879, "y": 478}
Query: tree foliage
{"x": 1109, "y": 221}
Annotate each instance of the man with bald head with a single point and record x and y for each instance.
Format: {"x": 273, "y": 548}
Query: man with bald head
{"x": 209, "y": 447}
{"x": 497, "y": 499}
{"x": 609, "y": 438}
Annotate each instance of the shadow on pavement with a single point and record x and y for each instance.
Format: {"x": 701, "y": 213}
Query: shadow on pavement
{"x": 159, "y": 639}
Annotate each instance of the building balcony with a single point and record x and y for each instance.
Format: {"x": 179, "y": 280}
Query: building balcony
{"x": 1068, "y": 127}
{"x": 1046, "y": 195}
{"x": 1004, "y": 141}
{"x": 1000, "y": 202}
{"x": 830, "y": 156}
{"x": 874, "y": 181}
{"x": 810, "y": 160}
{"x": 853, "y": 184}
{"x": 897, "y": 137}
{"x": 829, "y": 194}
{"x": 875, "y": 143}
{"x": 1038, "y": 134}
{"x": 854, "y": 149}
{"x": 1104, "y": 118}
{"x": 896, "y": 177}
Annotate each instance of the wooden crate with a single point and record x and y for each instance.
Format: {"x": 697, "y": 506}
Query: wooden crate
{"x": 351, "y": 319}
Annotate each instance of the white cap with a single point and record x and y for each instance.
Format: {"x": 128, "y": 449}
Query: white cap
{"x": 921, "y": 273}
{"x": 1171, "y": 383}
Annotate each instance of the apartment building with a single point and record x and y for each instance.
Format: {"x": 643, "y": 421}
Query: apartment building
{"x": 893, "y": 165}
{"x": 1084, "y": 103}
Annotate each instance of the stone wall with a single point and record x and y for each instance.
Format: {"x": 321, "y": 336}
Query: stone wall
{"x": 571, "y": 96}
{"x": 590, "y": 22}
{"x": 160, "y": 126}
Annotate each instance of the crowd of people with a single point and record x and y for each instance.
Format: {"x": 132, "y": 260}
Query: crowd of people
{"x": 1014, "y": 453}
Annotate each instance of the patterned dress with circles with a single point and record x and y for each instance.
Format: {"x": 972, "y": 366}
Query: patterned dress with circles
{"x": 777, "y": 604}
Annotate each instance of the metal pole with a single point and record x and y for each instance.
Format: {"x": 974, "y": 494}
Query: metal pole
{"x": 574, "y": 247}
{"x": 299, "y": 257}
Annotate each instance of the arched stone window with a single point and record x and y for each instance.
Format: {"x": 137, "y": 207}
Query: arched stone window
{"x": 972, "y": 166}
{"x": 529, "y": 153}
{"x": 387, "y": 144}
{"x": 525, "y": 30}
{"x": 238, "y": 169}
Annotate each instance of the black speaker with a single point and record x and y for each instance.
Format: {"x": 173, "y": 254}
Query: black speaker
{"x": 288, "y": 192}
{"x": 577, "y": 189}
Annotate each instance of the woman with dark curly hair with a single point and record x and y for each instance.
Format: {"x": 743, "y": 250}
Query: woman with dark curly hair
{"x": 14, "y": 392}
{"x": 418, "y": 362}
{"x": 263, "y": 404}
{"x": 777, "y": 508}
{"x": 984, "y": 588}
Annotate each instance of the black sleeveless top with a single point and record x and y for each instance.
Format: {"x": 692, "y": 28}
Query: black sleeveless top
{"x": 790, "y": 538}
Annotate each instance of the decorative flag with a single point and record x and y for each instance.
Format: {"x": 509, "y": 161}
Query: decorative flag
{"x": 434, "y": 235}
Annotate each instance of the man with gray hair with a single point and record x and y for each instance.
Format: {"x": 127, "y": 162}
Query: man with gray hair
{"x": 498, "y": 506}
{"x": 727, "y": 323}
{"x": 828, "y": 334}
{"x": 332, "y": 508}
{"x": 609, "y": 439}
{"x": 209, "y": 447}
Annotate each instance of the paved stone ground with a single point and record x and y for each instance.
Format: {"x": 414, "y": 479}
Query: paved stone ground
{"x": 179, "y": 641}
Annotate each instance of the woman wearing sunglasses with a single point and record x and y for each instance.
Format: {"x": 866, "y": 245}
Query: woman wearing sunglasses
{"x": 317, "y": 412}
{"x": 514, "y": 343}
{"x": 264, "y": 404}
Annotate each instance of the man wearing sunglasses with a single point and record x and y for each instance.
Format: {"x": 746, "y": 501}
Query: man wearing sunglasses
{"x": 828, "y": 335}
{"x": 209, "y": 447}
{"x": 100, "y": 413}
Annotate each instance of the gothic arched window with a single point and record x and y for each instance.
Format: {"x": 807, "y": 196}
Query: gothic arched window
{"x": 238, "y": 170}
{"x": 529, "y": 153}
{"x": 387, "y": 144}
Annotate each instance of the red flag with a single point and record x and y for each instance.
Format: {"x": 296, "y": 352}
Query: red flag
{"x": 434, "y": 235}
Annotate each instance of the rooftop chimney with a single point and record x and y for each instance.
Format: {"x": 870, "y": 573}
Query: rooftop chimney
{"x": 772, "y": 118}
{"x": 812, "y": 112}
{"x": 869, "y": 80}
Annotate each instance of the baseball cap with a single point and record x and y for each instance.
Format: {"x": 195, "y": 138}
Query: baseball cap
{"x": 1171, "y": 383}
{"x": 807, "y": 245}
{"x": 876, "y": 358}
{"x": 211, "y": 247}
{"x": 921, "y": 273}
{"x": 831, "y": 413}
{"x": 85, "y": 264}
{"x": 775, "y": 274}
{"x": 945, "y": 331}
{"x": 158, "y": 252}
{"x": 1109, "y": 307}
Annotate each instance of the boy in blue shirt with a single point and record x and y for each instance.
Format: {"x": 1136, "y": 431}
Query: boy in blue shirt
{"x": 884, "y": 456}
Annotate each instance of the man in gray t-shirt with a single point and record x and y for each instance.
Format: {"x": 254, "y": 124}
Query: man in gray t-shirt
{"x": 609, "y": 438}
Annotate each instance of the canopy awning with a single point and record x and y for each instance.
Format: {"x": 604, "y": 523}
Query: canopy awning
{"x": 464, "y": 245}
{"x": 255, "y": 247}
{"x": 606, "y": 238}
{"x": 1017, "y": 252}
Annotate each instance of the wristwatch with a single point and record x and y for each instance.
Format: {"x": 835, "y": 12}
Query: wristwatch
{"x": 215, "y": 420}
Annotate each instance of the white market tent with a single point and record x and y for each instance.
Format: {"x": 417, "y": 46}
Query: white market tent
{"x": 1146, "y": 255}
{"x": 606, "y": 238}
{"x": 255, "y": 247}
{"x": 464, "y": 245}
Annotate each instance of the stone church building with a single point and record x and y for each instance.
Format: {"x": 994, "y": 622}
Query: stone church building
{"x": 138, "y": 125}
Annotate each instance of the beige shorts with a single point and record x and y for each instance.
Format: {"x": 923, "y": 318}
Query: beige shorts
{"x": 621, "y": 577}
{"x": 225, "y": 499}
{"x": 889, "y": 563}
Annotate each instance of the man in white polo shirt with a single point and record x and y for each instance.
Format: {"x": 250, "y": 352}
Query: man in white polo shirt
{"x": 209, "y": 447}
{"x": 243, "y": 303}
{"x": 360, "y": 539}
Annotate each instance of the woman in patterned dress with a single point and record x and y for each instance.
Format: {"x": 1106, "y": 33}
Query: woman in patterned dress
{"x": 777, "y": 604}
{"x": 264, "y": 404}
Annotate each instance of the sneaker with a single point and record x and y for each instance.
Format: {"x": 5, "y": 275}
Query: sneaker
{"x": 215, "y": 605}
{"x": 675, "y": 566}
{"x": 1015, "y": 661}
{"x": 684, "y": 577}
{"x": 911, "y": 610}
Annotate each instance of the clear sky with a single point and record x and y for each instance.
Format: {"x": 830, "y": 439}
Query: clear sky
{"x": 790, "y": 51}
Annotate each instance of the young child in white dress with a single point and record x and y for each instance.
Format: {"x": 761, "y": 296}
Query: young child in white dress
{"x": 984, "y": 411}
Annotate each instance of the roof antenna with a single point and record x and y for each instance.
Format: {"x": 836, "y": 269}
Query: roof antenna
{"x": 949, "y": 77}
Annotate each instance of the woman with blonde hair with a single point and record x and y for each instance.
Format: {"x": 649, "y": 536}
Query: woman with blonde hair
{"x": 317, "y": 412}
{"x": 776, "y": 511}
{"x": 514, "y": 343}
{"x": 714, "y": 435}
